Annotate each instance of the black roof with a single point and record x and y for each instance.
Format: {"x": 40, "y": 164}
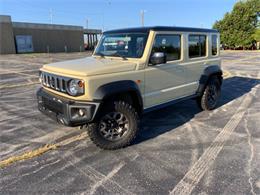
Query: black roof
{"x": 161, "y": 28}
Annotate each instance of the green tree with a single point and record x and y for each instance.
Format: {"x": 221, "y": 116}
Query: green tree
{"x": 238, "y": 27}
{"x": 256, "y": 35}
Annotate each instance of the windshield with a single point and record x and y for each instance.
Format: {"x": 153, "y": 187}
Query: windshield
{"x": 127, "y": 45}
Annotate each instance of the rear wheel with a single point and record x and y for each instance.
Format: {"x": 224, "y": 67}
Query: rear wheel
{"x": 116, "y": 127}
{"x": 211, "y": 95}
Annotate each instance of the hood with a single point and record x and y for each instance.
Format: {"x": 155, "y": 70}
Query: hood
{"x": 90, "y": 66}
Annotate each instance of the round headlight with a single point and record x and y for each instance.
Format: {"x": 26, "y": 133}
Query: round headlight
{"x": 73, "y": 87}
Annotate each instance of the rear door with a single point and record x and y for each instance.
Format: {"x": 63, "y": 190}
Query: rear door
{"x": 197, "y": 57}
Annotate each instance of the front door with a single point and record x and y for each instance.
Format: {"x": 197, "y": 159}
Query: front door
{"x": 165, "y": 82}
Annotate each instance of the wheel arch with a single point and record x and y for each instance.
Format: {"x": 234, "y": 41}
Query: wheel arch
{"x": 212, "y": 70}
{"x": 118, "y": 89}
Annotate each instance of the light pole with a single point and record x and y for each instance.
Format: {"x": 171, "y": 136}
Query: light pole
{"x": 51, "y": 15}
{"x": 87, "y": 23}
{"x": 142, "y": 17}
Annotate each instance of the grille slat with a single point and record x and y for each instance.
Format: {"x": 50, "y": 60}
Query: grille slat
{"x": 48, "y": 80}
{"x": 52, "y": 82}
{"x": 56, "y": 84}
{"x": 61, "y": 85}
{"x": 45, "y": 80}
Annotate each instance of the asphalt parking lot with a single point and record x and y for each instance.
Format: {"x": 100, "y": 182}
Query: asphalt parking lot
{"x": 179, "y": 150}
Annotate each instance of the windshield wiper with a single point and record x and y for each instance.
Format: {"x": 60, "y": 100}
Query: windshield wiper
{"x": 118, "y": 55}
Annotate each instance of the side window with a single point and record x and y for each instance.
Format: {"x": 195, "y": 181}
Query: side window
{"x": 197, "y": 46}
{"x": 214, "y": 49}
{"x": 140, "y": 44}
{"x": 169, "y": 44}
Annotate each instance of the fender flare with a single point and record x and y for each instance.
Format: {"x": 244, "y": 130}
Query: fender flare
{"x": 207, "y": 73}
{"x": 113, "y": 88}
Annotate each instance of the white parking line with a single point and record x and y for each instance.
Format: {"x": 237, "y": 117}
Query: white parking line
{"x": 27, "y": 115}
{"x": 9, "y": 71}
{"x": 21, "y": 62}
{"x": 19, "y": 79}
{"x": 106, "y": 178}
{"x": 18, "y": 72}
{"x": 194, "y": 175}
{"x": 19, "y": 85}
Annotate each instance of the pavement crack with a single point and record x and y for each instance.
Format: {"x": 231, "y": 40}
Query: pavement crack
{"x": 193, "y": 139}
{"x": 252, "y": 154}
{"x": 14, "y": 181}
{"x": 42, "y": 150}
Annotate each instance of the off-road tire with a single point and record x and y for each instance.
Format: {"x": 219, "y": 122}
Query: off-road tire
{"x": 132, "y": 116}
{"x": 203, "y": 101}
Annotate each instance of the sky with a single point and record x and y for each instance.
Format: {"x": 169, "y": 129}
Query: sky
{"x": 112, "y": 14}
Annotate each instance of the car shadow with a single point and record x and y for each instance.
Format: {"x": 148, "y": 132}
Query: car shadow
{"x": 167, "y": 119}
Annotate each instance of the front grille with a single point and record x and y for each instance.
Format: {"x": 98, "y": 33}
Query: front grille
{"x": 58, "y": 83}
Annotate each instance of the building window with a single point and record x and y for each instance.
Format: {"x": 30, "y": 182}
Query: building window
{"x": 197, "y": 46}
{"x": 214, "y": 49}
{"x": 169, "y": 44}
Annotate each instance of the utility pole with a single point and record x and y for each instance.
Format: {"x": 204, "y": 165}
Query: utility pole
{"x": 103, "y": 23}
{"x": 87, "y": 23}
{"x": 51, "y": 16}
{"x": 142, "y": 17}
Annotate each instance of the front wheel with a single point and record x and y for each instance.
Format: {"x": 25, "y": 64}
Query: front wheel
{"x": 211, "y": 95}
{"x": 116, "y": 127}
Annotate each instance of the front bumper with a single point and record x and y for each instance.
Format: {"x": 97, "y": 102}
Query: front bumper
{"x": 66, "y": 111}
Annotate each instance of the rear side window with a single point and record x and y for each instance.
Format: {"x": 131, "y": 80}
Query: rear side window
{"x": 169, "y": 44}
{"x": 214, "y": 49}
{"x": 197, "y": 46}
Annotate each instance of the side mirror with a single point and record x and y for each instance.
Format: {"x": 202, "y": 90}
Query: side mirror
{"x": 158, "y": 58}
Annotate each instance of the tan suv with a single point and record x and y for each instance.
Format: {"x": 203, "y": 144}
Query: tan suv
{"x": 132, "y": 71}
